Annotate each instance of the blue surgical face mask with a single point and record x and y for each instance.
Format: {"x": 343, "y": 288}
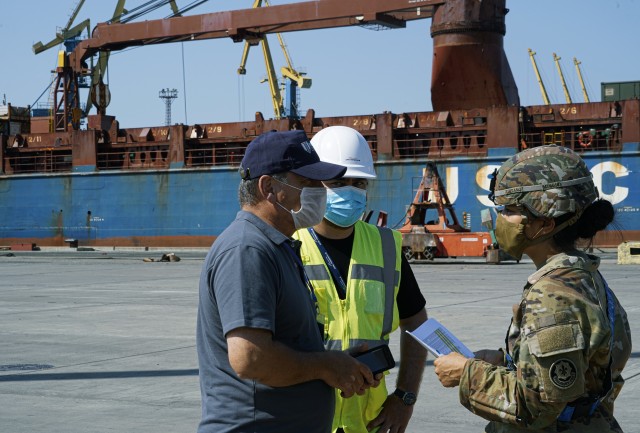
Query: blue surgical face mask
{"x": 345, "y": 205}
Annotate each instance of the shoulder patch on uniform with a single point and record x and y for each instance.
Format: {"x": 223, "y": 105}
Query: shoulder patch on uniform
{"x": 563, "y": 373}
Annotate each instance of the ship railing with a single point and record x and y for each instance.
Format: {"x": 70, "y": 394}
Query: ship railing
{"x": 440, "y": 144}
{"x": 372, "y": 140}
{"x": 131, "y": 158}
{"x": 578, "y": 138}
{"x": 203, "y": 154}
{"x": 42, "y": 161}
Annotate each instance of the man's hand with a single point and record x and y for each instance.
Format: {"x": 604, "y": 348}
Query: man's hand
{"x": 393, "y": 418}
{"x": 347, "y": 374}
{"x": 449, "y": 369}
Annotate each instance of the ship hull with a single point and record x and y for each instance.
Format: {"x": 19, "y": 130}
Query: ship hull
{"x": 191, "y": 207}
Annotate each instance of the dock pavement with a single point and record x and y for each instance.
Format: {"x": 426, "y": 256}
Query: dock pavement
{"x": 104, "y": 341}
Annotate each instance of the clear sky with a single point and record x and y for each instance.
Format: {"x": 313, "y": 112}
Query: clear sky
{"x": 354, "y": 70}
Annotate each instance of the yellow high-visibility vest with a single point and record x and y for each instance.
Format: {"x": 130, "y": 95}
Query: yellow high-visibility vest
{"x": 367, "y": 315}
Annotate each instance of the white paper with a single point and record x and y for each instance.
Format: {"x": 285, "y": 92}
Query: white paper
{"x": 438, "y": 339}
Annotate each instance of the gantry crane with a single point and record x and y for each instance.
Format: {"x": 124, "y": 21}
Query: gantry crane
{"x": 294, "y": 79}
{"x": 70, "y": 37}
{"x": 66, "y": 34}
{"x": 246, "y": 24}
{"x": 584, "y": 89}
{"x": 98, "y": 92}
{"x": 543, "y": 90}
{"x": 567, "y": 95}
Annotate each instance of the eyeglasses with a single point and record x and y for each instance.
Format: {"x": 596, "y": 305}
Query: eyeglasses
{"x": 512, "y": 210}
{"x": 516, "y": 210}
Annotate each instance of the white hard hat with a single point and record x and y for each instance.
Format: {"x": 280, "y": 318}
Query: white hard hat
{"x": 347, "y": 147}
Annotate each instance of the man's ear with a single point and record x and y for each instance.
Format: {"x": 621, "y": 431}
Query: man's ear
{"x": 265, "y": 188}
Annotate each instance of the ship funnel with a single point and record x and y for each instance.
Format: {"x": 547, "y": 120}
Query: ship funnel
{"x": 470, "y": 67}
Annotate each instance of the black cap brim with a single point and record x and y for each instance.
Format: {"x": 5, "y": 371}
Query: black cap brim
{"x": 320, "y": 171}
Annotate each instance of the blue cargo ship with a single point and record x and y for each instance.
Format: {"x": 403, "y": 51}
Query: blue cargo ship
{"x": 176, "y": 185}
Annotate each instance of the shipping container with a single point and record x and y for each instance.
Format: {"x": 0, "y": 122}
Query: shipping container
{"x": 620, "y": 91}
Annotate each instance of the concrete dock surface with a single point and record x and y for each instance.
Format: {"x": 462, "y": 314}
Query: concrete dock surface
{"x": 102, "y": 341}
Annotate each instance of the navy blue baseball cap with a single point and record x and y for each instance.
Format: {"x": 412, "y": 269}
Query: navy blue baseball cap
{"x": 277, "y": 152}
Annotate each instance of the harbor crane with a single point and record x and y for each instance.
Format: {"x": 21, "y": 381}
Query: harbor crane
{"x": 65, "y": 90}
{"x": 567, "y": 95}
{"x": 543, "y": 90}
{"x": 584, "y": 89}
{"x": 492, "y": 85}
{"x": 294, "y": 80}
{"x": 67, "y": 34}
{"x": 70, "y": 37}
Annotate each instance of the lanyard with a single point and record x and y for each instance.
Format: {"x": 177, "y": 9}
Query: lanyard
{"x": 341, "y": 287}
{"x": 303, "y": 274}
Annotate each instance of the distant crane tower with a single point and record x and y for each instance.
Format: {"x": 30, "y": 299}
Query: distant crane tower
{"x": 168, "y": 95}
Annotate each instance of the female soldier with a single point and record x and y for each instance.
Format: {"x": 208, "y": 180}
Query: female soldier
{"x": 569, "y": 338}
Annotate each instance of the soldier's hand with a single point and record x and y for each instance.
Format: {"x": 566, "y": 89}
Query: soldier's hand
{"x": 493, "y": 357}
{"x": 449, "y": 369}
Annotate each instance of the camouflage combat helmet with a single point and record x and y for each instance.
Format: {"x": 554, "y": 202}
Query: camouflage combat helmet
{"x": 549, "y": 181}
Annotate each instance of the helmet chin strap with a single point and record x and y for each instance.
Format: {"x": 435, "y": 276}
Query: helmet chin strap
{"x": 555, "y": 230}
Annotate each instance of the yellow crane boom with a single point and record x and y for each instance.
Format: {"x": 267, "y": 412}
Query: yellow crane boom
{"x": 567, "y": 96}
{"x": 584, "y": 89}
{"x": 545, "y": 97}
{"x": 297, "y": 79}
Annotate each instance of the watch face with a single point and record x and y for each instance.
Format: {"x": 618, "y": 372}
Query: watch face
{"x": 409, "y": 398}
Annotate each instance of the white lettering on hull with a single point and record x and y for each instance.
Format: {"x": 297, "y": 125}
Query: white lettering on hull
{"x": 452, "y": 187}
{"x": 619, "y": 193}
{"x": 483, "y": 180}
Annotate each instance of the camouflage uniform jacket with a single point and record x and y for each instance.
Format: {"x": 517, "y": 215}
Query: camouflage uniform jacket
{"x": 559, "y": 339}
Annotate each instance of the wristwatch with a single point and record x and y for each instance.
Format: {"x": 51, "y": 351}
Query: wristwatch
{"x": 408, "y": 398}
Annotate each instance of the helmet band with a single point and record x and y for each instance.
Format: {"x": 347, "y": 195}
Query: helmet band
{"x": 543, "y": 187}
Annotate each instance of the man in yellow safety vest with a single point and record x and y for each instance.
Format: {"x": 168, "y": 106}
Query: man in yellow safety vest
{"x": 364, "y": 286}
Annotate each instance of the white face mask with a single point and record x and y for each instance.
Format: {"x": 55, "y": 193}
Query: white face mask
{"x": 313, "y": 203}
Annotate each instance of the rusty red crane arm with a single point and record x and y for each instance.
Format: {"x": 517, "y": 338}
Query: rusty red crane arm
{"x": 247, "y": 24}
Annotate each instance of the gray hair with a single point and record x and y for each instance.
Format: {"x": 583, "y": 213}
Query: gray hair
{"x": 248, "y": 189}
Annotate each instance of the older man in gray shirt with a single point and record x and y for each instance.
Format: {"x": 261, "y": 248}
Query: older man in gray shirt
{"x": 262, "y": 363}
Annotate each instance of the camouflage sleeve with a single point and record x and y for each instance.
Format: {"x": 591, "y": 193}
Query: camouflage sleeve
{"x": 552, "y": 361}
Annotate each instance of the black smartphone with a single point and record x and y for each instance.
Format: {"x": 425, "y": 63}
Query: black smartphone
{"x": 378, "y": 359}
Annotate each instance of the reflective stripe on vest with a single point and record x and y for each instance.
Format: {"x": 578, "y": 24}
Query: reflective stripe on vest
{"x": 337, "y": 344}
{"x": 358, "y": 272}
{"x": 375, "y": 258}
{"x": 389, "y": 253}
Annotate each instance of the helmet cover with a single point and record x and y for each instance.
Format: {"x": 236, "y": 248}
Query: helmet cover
{"x": 549, "y": 181}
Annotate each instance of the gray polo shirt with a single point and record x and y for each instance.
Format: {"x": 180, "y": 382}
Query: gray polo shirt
{"x": 250, "y": 279}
